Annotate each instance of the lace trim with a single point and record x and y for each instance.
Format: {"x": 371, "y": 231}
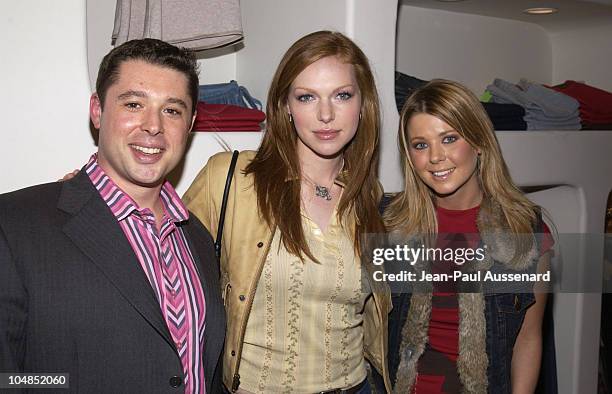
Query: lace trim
{"x": 328, "y": 318}
{"x": 269, "y": 325}
{"x": 293, "y": 324}
{"x": 345, "y": 333}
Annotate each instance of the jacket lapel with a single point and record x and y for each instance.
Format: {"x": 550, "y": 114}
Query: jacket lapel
{"x": 95, "y": 231}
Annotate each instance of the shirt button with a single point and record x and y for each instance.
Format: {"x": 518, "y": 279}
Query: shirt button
{"x": 259, "y": 244}
{"x": 176, "y": 381}
{"x": 241, "y": 297}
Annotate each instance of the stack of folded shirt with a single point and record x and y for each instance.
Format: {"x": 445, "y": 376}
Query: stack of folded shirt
{"x": 503, "y": 116}
{"x": 224, "y": 117}
{"x": 595, "y": 104}
{"x": 545, "y": 109}
{"x": 506, "y": 116}
{"x": 404, "y": 86}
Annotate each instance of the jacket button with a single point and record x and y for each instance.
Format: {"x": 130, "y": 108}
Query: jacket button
{"x": 176, "y": 381}
{"x": 259, "y": 244}
{"x": 233, "y": 352}
{"x": 242, "y": 297}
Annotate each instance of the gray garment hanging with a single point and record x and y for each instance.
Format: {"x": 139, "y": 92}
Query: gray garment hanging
{"x": 194, "y": 24}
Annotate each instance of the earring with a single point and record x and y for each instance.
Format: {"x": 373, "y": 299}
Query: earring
{"x": 360, "y": 116}
{"x": 290, "y": 118}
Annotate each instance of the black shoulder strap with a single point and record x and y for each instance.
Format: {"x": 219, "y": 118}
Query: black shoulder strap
{"x": 228, "y": 183}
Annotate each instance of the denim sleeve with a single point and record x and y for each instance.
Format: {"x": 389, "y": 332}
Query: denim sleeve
{"x": 397, "y": 319}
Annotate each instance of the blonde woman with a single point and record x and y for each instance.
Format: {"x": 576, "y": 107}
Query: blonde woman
{"x": 458, "y": 183}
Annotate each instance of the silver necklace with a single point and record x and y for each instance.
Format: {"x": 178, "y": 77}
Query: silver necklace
{"x": 323, "y": 192}
{"x": 320, "y": 191}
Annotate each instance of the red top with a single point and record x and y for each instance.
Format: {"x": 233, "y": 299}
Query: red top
{"x": 437, "y": 368}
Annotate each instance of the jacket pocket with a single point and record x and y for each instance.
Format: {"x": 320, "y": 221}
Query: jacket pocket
{"x": 514, "y": 303}
{"x": 511, "y": 313}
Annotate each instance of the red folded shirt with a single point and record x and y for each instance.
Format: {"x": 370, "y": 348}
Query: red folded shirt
{"x": 595, "y": 104}
{"x": 205, "y": 126}
{"x": 223, "y": 117}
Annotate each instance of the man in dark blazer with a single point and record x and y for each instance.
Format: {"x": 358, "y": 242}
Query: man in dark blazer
{"x": 87, "y": 290}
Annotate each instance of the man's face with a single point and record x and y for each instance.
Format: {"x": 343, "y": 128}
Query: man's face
{"x": 144, "y": 125}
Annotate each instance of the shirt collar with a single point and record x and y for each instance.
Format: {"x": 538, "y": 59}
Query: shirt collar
{"x": 122, "y": 205}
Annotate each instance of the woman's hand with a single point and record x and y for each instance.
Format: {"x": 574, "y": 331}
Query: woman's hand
{"x": 69, "y": 176}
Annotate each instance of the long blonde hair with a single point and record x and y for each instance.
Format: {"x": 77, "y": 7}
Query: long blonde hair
{"x": 413, "y": 211}
{"x": 276, "y": 167}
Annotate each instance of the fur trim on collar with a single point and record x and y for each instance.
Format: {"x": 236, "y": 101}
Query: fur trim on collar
{"x": 500, "y": 241}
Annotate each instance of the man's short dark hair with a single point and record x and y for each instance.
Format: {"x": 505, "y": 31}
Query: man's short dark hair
{"x": 151, "y": 51}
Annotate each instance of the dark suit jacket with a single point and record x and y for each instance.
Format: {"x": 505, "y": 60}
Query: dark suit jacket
{"x": 74, "y": 298}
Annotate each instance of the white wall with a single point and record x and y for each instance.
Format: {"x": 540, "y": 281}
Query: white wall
{"x": 100, "y": 20}
{"x": 583, "y": 55}
{"x": 271, "y": 26}
{"x": 471, "y": 49}
{"x": 378, "y": 43}
{"x": 45, "y": 91}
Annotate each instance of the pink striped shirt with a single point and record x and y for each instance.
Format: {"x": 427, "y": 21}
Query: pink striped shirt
{"x": 165, "y": 257}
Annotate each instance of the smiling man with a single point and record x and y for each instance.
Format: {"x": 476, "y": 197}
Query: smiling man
{"x": 106, "y": 277}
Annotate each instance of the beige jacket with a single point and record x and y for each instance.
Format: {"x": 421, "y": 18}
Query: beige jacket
{"x": 246, "y": 241}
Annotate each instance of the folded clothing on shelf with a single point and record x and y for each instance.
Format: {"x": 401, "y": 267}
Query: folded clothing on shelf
{"x": 224, "y": 117}
{"x": 544, "y": 107}
{"x": 595, "y": 104}
{"x": 506, "y": 116}
{"x": 503, "y": 116}
{"x": 227, "y": 93}
{"x": 404, "y": 86}
{"x": 190, "y": 24}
